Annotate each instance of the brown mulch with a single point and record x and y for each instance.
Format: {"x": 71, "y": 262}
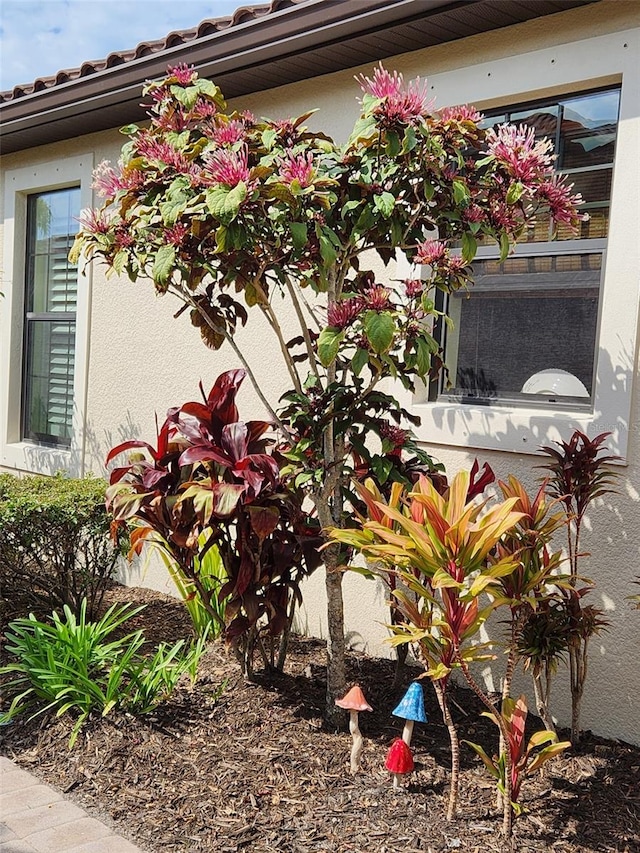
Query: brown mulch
{"x": 254, "y": 768}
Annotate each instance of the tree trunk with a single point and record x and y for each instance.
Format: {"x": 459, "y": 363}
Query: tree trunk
{"x": 541, "y": 693}
{"x": 336, "y": 675}
{"x": 507, "y": 816}
{"x": 452, "y": 805}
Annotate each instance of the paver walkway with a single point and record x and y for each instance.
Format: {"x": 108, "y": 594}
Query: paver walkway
{"x": 36, "y": 819}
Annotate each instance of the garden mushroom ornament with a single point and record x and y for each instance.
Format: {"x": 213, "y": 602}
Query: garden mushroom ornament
{"x": 411, "y": 710}
{"x": 399, "y": 760}
{"x": 354, "y": 702}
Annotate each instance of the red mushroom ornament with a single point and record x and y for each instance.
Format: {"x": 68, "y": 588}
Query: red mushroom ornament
{"x": 399, "y": 760}
{"x": 354, "y": 702}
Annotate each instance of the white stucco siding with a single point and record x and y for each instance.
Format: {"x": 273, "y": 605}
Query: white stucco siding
{"x": 142, "y": 360}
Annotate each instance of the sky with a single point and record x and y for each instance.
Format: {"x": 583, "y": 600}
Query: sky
{"x": 40, "y": 37}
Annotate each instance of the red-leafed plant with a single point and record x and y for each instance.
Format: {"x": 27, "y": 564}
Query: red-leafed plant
{"x": 578, "y": 475}
{"x": 525, "y": 756}
{"x": 211, "y": 483}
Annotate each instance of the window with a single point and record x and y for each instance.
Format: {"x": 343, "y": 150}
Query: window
{"x": 44, "y": 318}
{"x": 527, "y": 334}
{"x": 50, "y": 317}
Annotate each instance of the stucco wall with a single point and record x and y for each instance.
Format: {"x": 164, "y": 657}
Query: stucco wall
{"x": 142, "y": 360}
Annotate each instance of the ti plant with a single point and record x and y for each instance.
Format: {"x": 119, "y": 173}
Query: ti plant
{"x": 238, "y": 216}
{"x": 577, "y": 477}
{"x": 532, "y": 581}
{"x": 212, "y": 483}
{"x": 439, "y": 547}
{"x": 525, "y": 757}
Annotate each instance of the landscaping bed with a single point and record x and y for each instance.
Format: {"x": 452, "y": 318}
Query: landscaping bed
{"x": 254, "y": 768}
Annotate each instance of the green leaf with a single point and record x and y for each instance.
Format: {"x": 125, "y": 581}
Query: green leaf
{"x": 384, "y": 203}
{"x": 504, "y": 245}
{"x": 410, "y": 140}
{"x": 393, "y": 144}
{"x": 223, "y": 203}
{"x": 460, "y": 192}
{"x": 330, "y": 245}
{"x": 129, "y": 129}
{"x": 514, "y": 192}
{"x": 268, "y": 138}
{"x": 423, "y": 357}
{"x": 469, "y": 247}
{"x": 163, "y": 264}
{"x": 381, "y": 467}
{"x": 380, "y": 329}
{"x": 208, "y": 87}
{"x": 299, "y": 234}
{"x": 488, "y": 763}
{"x": 329, "y": 344}
{"x": 359, "y": 360}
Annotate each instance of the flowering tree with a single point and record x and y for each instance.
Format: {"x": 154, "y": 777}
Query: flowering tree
{"x": 225, "y": 211}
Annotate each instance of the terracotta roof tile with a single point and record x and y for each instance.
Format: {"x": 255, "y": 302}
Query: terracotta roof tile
{"x": 242, "y": 15}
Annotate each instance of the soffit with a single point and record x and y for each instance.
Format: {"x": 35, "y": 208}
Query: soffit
{"x": 259, "y": 48}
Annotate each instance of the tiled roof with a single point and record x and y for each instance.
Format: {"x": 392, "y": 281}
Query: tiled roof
{"x": 242, "y": 15}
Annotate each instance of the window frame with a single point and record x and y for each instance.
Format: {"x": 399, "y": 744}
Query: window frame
{"x": 17, "y": 453}
{"x": 561, "y": 71}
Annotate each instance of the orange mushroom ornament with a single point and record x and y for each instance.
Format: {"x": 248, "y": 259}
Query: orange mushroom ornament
{"x": 354, "y": 702}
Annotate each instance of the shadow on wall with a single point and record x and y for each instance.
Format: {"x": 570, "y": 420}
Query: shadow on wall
{"x": 97, "y": 448}
{"x": 610, "y": 548}
{"x": 614, "y": 383}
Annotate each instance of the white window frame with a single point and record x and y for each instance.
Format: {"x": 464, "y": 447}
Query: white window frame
{"x": 559, "y": 72}
{"x": 16, "y": 454}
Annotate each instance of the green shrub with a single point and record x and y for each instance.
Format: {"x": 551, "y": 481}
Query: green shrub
{"x": 71, "y": 664}
{"x": 55, "y": 544}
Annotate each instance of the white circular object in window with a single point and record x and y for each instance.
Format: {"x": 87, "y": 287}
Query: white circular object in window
{"x": 555, "y": 382}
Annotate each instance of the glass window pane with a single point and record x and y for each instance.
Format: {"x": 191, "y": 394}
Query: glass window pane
{"x": 49, "y": 387}
{"x": 588, "y": 133}
{"x": 51, "y": 289}
{"x": 527, "y": 330}
{"x": 52, "y": 224}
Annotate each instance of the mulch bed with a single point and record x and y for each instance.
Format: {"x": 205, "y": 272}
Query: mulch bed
{"x": 255, "y": 769}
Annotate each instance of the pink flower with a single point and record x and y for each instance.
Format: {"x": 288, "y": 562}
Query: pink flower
{"x": 461, "y": 113}
{"x": 516, "y": 149}
{"x": 377, "y": 298}
{"x": 106, "y": 181}
{"x": 342, "y": 314}
{"x": 473, "y": 213}
{"x": 399, "y": 105}
{"x": 183, "y": 74}
{"x": 430, "y": 252}
{"x": 414, "y": 287}
{"x": 94, "y": 221}
{"x": 175, "y": 235}
{"x": 297, "y": 167}
{"x": 123, "y": 237}
{"x": 562, "y": 205}
{"x": 383, "y": 85}
{"x": 394, "y": 435}
{"x": 456, "y": 263}
{"x": 229, "y": 167}
{"x": 161, "y": 152}
{"x": 228, "y": 133}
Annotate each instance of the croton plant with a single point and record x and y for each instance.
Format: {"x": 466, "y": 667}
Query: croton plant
{"x": 231, "y": 213}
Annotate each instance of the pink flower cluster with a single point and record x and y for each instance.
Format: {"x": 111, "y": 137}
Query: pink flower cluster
{"x": 430, "y": 252}
{"x": 228, "y": 167}
{"x": 297, "y": 167}
{"x": 227, "y": 133}
{"x": 107, "y": 181}
{"x": 562, "y": 205}
{"x": 176, "y": 234}
{"x": 464, "y": 112}
{"x": 184, "y": 74}
{"x": 342, "y": 314}
{"x": 153, "y": 149}
{"x": 94, "y": 221}
{"x": 399, "y": 105}
{"x": 516, "y": 149}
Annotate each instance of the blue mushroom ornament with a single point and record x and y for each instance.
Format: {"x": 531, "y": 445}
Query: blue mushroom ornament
{"x": 411, "y": 710}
